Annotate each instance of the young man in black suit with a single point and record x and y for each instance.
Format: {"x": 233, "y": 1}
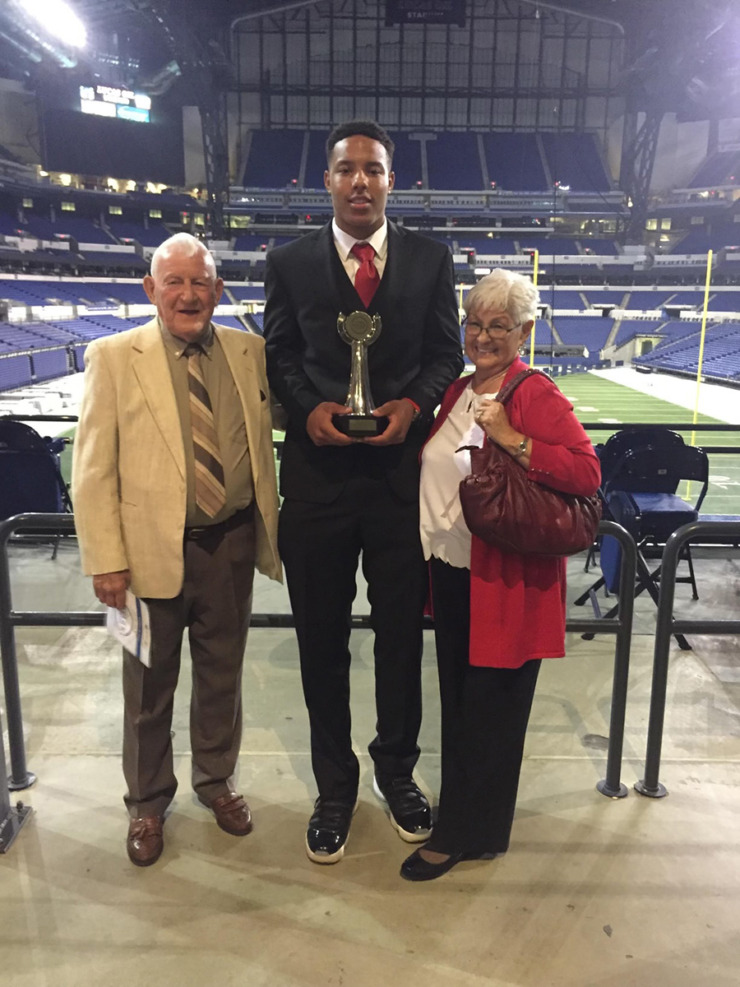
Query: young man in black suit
{"x": 344, "y": 496}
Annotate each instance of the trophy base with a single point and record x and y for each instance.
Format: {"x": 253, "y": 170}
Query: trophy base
{"x": 360, "y": 426}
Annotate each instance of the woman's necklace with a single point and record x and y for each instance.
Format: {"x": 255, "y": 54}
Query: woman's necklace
{"x": 486, "y": 380}
{"x": 502, "y": 373}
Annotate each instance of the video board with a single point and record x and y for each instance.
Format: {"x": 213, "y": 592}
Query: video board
{"x": 91, "y": 127}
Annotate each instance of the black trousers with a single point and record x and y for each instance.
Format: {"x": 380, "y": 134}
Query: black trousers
{"x": 485, "y": 712}
{"x": 320, "y": 545}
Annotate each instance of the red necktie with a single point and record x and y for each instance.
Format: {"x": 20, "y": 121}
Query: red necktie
{"x": 367, "y": 278}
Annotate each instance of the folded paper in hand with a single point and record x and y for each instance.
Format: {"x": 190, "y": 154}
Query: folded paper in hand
{"x": 130, "y": 626}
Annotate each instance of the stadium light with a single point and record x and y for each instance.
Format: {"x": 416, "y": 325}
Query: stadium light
{"x": 58, "y": 20}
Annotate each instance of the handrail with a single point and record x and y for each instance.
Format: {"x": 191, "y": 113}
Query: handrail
{"x": 649, "y": 785}
{"x": 11, "y": 818}
{"x": 596, "y": 426}
{"x": 53, "y": 524}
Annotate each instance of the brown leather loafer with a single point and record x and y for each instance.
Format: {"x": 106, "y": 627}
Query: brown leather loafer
{"x": 232, "y": 814}
{"x": 145, "y": 842}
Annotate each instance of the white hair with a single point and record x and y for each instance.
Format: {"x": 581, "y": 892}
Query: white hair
{"x": 505, "y": 291}
{"x": 184, "y": 243}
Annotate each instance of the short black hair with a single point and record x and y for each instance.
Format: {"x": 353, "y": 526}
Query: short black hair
{"x": 363, "y": 128}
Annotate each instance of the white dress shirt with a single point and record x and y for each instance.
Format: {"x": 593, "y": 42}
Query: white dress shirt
{"x": 344, "y": 244}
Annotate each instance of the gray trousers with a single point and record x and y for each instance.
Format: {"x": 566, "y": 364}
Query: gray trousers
{"x": 214, "y": 605}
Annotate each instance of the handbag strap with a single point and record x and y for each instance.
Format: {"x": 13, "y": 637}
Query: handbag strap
{"x": 508, "y": 389}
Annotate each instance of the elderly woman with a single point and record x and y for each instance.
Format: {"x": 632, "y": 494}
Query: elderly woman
{"x": 496, "y": 614}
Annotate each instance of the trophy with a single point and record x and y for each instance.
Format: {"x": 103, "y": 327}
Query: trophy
{"x": 359, "y": 330}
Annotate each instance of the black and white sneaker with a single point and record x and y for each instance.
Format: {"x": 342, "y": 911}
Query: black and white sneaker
{"x": 409, "y": 810}
{"x": 328, "y": 829}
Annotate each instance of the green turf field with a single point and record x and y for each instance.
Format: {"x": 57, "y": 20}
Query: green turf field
{"x": 599, "y": 400}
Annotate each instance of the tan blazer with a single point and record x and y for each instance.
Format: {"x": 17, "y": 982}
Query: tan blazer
{"x": 128, "y": 478}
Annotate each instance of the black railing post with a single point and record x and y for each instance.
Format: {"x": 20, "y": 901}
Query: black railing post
{"x": 55, "y": 524}
{"x": 666, "y": 626}
{"x": 11, "y": 818}
{"x": 611, "y": 786}
{"x": 19, "y": 776}
{"x": 621, "y": 626}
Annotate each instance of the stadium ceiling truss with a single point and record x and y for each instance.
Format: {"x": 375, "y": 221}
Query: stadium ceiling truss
{"x": 197, "y": 44}
{"x": 514, "y": 65}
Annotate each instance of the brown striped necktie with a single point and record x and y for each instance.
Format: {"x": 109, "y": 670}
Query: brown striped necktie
{"x": 210, "y": 492}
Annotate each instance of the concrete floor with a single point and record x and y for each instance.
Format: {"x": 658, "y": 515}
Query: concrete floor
{"x": 592, "y": 892}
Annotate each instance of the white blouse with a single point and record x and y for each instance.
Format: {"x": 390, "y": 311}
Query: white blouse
{"x": 444, "y": 533}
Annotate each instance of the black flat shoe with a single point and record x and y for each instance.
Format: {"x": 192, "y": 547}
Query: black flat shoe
{"x": 415, "y": 868}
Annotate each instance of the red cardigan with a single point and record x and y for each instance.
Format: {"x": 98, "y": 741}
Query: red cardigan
{"x": 517, "y": 602}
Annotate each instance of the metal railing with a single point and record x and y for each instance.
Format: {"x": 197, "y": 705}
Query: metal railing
{"x": 718, "y": 531}
{"x": 56, "y": 524}
{"x": 11, "y": 817}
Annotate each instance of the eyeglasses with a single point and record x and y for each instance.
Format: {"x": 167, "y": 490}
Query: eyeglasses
{"x": 473, "y": 328}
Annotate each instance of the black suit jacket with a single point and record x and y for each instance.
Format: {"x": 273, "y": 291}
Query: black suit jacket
{"x": 417, "y": 354}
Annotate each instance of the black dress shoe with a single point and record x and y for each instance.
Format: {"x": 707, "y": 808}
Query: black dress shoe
{"x": 410, "y": 812}
{"x": 415, "y": 868}
{"x": 328, "y": 829}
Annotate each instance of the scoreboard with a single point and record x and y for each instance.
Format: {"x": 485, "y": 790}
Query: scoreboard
{"x": 91, "y": 126}
{"x": 110, "y": 101}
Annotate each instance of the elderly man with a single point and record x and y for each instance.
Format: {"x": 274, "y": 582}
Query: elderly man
{"x": 346, "y": 497}
{"x": 175, "y": 497}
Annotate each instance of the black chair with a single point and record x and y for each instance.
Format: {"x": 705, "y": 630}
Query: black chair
{"x": 640, "y": 493}
{"x": 31, "y": 479}
{"x": 616, "y": 447}
{"x": 611, "y": 455}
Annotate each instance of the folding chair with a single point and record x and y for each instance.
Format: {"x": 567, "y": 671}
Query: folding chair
{"x": 30, "y": 476}
{"x": 611, "y": 457}
{"x": 641, "y": 496}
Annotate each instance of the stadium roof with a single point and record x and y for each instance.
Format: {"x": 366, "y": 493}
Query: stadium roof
{"x": 682, "y": 55}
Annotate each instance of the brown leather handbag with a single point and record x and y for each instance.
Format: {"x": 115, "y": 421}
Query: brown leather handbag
{"x": 503, "y": 507}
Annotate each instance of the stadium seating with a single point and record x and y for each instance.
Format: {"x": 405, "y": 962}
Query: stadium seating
{"x": 20, "y": 337}
{"x": 592, "y": 331}
{"x": 562, "y": 298}
{"x": 247, "y": 292}
{"x": 228, "y": 320}
{"x": 9, "y": 225}
{"x": 50, "y": 364}
{"x": 597, "y": 297}
{"x": 574, "y": 160}
{"x": 629, "y": 328}
{"x": 681, "y": 353}
{"x": 315, "y": 160}
{"x": 129, "y": 293}
{"x": 699, "y": 242}
{"x": 148, "y": 237}
{"x": 718, "y": 169}
{"x": 486, "y": 245}
{"x": 550, "y": 246}
{"x": 15, "y": 371}
{"x": 274, "y": 159}
{"x": 514, "y": 162}
{"x": 598, "y": 246}
{"x": 80, "y": 229}
{"x": 406, "y": 161}
{"x": 644, "y": 301}
{"x": 454, "y": 162}
{"x": 251, "y": 241}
